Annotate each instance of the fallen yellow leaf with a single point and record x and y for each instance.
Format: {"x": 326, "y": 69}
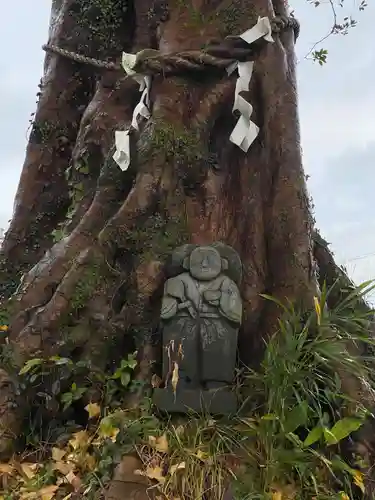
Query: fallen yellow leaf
{"x": 58, "y": 454}
{"x": 93, "y": 409}
{"x": 80, "y": 440}
{"x": 202, "y": 455}
{"x": 358, "y": 480}
{"x": 48, "y": 492}
{"x": 63, "y": 467}
{"x": 175, "y": 378}
{"x": 159, "y": 443}
{"x": 176, "y": 467}
{"x": 110, "y": 433}
{"x": 29, "y": 469}
{"x": 29, "y": 495}
{"x": 6, "y": 469}
{"x": 88, "y": 462}
{"x": 155, "y": 473}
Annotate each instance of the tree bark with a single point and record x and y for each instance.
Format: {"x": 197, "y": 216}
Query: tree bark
{"x": 100, "y": 285}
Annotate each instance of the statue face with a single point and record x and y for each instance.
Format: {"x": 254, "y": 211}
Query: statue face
{"x": 205, "y": 263}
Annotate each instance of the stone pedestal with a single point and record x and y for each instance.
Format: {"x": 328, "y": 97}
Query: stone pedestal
{"x": 214, "y": 401}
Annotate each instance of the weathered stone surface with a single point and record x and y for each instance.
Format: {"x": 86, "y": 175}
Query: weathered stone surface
{"x": 216, "y": 402}
{"x": 201, "y": 314}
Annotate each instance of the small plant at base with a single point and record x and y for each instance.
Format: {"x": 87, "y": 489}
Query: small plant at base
{"x": 288, "y": 446}
{"x": 74, "y": 394}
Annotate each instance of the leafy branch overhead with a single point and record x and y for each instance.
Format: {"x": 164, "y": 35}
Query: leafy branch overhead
{"x": 337, "y": 27}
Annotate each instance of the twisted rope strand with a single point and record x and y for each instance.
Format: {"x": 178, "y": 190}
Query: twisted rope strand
{"x": 216, "y": 56}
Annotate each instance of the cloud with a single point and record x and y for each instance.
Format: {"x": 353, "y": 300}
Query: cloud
{"x": 344, "y": 207}
{"x": 335, "y": 100}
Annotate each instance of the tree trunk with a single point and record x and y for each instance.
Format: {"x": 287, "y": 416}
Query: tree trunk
{"x": 91, "y": 240}
{"x": 255, "y": 202}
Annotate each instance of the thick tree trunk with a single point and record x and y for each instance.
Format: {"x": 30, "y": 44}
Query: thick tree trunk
{"x": 256, "y": 202}
{"x": 99, "y": 286}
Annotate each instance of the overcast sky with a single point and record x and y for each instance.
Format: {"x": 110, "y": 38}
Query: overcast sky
{"x": 338, "y": 129}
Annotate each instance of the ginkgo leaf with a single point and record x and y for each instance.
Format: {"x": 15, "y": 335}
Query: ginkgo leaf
{"x": 79, "y": 440}
{"x": 277, "y": 495}
{"x": 344, "y": 496}
{"x": 88, "y": 462}
{"x": 176, "y": 467}
{"x": 6, "y": 469}
{"x": 159, "y": 443}
{"x": 202, "y": 455}
{"x": 155, "y": 473}
{"x": 93, "y": 409}
{"x": 58, "y": 454}
{"x": 110, "y": 433}
{"x": 107, "y": 429}
{"x": 358, "y": 478}
{"x": 29, "y": 469}
{"x": 63, "y": 467}
{"x": 29, "y": 495}
{"x": 48, "y": 492}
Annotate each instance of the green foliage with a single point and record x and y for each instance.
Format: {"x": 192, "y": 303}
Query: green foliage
{"x": 179, "y": 144}
{"x": 302, "y": 411}
{"x": 229, "y": 17}
{"x": 76, "y": 194}
{"x": 86, "y": 286}
{"x": 43, "y": 131}
{"x": 285, "y": 443}
{"x": 74, "y": 394}
{"x": 102, "y": 20}
{"x": 69, "y": 381}
{"x": 320, "y": 56}
{"x": 158, "y": 236}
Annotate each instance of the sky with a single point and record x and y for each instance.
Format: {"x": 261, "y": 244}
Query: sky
{"x": 338, "y": 130}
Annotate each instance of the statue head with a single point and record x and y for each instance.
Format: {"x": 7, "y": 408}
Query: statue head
{"x": 230, "y": 263}
{"x": 205, "y": 263}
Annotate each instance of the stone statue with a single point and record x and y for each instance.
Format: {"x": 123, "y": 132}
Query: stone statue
{"x": 201, "y": 315}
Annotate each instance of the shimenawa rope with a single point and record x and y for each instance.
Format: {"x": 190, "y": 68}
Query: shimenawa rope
{"x": 219, "y": 55}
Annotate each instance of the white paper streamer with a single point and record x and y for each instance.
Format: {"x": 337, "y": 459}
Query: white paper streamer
{"x": 122, "y": 138}
{"x": 245, "y": 131}
{"x": 122, "y": 153}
